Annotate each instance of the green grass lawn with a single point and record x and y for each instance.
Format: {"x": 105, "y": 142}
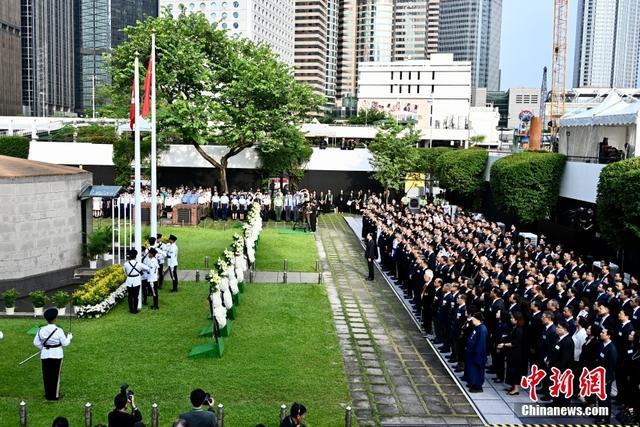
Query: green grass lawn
{"x": 298, "y": 248}
{"x": 283, "y": 348}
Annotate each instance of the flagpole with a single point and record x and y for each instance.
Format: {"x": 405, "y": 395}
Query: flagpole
{"x": 153, "y": 212}
{"x": 138, "y": 119}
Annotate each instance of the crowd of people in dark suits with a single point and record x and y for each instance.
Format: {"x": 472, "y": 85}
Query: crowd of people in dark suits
{"x": 480, "y": 290}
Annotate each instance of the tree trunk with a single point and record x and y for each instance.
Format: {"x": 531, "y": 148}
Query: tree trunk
{"x": 223, "y": 175}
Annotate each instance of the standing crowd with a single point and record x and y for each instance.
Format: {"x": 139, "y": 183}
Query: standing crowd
{"x": 484, "y": 294}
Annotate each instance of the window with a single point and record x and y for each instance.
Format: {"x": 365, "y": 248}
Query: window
{"x": 433, "y": 75}
{"x": 392, "y": 76}
{"x": 418, "y": 75}
{"x": 409, "y": 79}
{"x": 236, "y": 4}
{"x": 235, "y": 25}
{"x": 391, "y": 86}
{"x": 236, "y": 14}
{"x": 224, "y": 25}
{"x": 400, "y": 88}
{"x": 418, "y": 89}
{"x": 409, "y": 87}
{"x": 400, "y": 79}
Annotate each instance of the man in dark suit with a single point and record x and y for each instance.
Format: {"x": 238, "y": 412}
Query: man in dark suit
{"x": 202, "y": 413}
{"x": 561, "y": 355}
{"x": 370, "y": 254}
{"x": 608, "y": 359}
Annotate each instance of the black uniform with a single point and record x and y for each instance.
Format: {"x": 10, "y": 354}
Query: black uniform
{"x": 370, "y": 255}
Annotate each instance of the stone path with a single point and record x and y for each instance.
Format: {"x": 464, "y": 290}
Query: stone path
{"x": 394, "y": 376}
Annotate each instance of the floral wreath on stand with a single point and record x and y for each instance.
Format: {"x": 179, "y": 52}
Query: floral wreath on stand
{"x": 219, "y": 311}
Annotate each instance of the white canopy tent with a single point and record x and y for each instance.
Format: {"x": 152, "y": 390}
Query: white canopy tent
{"x": 616, "y": 119}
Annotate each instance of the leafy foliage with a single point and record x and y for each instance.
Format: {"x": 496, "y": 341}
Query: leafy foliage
{"x": 102, "y": 283}
{"x": 618, "y": 202}
{"x": 427, "y": 158}
{"x": 95, "y": 134}
{"x": 286, "y": 154}
{"x": 527, "y": 184}
{"x": 368, "y": 116}
{"x": 99, "y": 242}
{"x": 462, "y": 171}
{"x": 14, "y": 146}
{"x": 213, "y": 89}
{"x": 394, "y": 153}
{"x": 10, "y": 296}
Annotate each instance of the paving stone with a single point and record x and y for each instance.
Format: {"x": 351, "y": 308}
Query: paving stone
{"x": 384, "y": 399}
{"x": 387, "y": 410}
{"x": 381, "y": 389}
{"x": 377, "y": 379}
{"x": 375, "y": 371}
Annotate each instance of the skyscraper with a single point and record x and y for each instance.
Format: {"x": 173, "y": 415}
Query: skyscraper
{"x": 268, "y": 21}
{"x": 410, "y": 29}
{"x": 607, "y": 43}
{"x": 470, "y": 29}
{"x": 47, "y": 57}
{"x": 98, "y": 29}
{"x": 347, "y": 64}
{"x": 331, "y": 66}
{"x": 310, "y": 52}
{"x": 10, "y": 64}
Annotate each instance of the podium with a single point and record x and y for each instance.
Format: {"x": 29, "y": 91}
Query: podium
{"x": 187, "y": 214}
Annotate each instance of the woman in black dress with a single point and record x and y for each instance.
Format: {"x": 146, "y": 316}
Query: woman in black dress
{"x": 514, "y": 351}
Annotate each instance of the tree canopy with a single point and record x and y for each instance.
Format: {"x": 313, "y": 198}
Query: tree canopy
{"x": 214, "y": 89}
{"x": 393, "y": 153}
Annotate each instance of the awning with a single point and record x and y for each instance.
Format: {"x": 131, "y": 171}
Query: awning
{"x": 104, "y": 191}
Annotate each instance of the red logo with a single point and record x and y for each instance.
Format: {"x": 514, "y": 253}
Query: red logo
{"x": 591, "y": 382}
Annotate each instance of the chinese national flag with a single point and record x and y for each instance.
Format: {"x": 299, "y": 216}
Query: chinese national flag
{"x": 132, "y": 109}
{"x": 146, "y": 102}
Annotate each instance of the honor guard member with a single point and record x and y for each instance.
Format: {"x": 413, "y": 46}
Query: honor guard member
{"x": 215, "y": 205}
{"x": 50, "y": 339}
{"x": 133, "y": 269}
{"x": 172, "y": 257}
{"x": 152, "y": 276}
{"x": 161, "y": 256}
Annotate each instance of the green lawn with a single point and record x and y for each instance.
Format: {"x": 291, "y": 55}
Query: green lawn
{"x": 274, "y": 247}
{"x": 283, "y": 348}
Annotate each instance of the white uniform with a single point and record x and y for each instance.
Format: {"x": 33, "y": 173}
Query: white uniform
{"x": 152, "y": 264}
{"x": 134, "y": 271}
{"x": 172, "y": 255}
{"x": 58, "y": 340}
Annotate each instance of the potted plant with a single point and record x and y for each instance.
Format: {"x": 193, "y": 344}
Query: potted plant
{"x": 10, "y": 296}
{"x": 38, "y": 299}
{"x": 95, "y": 247}
{"x": 107, "y": 236}
{"x": 60, "y": 300}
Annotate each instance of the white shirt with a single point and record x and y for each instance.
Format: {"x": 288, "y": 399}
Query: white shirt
{"x": 161, "y": 254}
{"x": 152, "y": 263}
{"x": 224, "y": 200}
{"x": 134, "y": 271}
{"x": 172, "y": 255}
{"x": 58, "y": 337}
{"x": 579, "y": 337}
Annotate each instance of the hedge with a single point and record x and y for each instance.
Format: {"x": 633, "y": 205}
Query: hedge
{"x": 462, "y": 171}
{"x": 103, "y": 283}
{"x": 14, "y": 146}
{"x": 427, "y": 158}
{"x": 618, "y": 202}
{"x": 527, "y": 184}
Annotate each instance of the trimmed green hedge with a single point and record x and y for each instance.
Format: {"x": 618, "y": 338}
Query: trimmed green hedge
{"x": 14, "y": 146}
{"x": 462, "y": 171}
{"x": 618, "y": 202}
{"x": 427, "y": 158}
{"x": 527, "y": 184}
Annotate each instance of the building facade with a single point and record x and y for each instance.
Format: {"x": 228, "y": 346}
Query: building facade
{"x": 434, "y": 93}
{"x": 470, "y": 29}
{"x": 331, "y": 63}
{"x": 607, "y": 44}
{"x": 268, "y": 21}
{"x": 47, "y": 57}
{"x": 310, "y": 60}
{"x": 522, "y": 101}
{"x": 10, "y": 65}
{"x": 98, "y": 30}
{"x": 347, "y": 71}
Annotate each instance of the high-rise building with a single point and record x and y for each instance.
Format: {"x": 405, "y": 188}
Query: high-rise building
{"x": 10, "y": 65}
{"x": 347, "y": 70}
{"x": 268, "y": 21}
{"x": 331, "y": 65}
{"x": 98, "y": 29}
{"x": 374, "y": 32}
{"x": 47, "y": 57}
{"x": 470, "y": 29}
{"x": 410, "y": 29}
{"x": 311, "y": 43}
{"x": 607, "y": 43}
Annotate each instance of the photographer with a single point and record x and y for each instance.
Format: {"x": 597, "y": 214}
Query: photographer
{"x": 296, "y": 416}
{"x": 119, "y": 417}
{"x": 201, "y": 414}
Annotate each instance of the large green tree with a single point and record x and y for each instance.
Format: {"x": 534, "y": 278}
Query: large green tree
{"x": 285, "y": 154}
{"x": 214, "y": 89}
{"x": 393, "y": 153}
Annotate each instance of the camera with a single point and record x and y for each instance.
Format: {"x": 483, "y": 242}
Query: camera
{"x": 208, "y": 399}
{"x": 125, "y": 392}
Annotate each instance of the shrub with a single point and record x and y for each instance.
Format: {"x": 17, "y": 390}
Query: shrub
{"x": 14, "y": 146}
{"x": 38, "y": 298}
{"x": 61, "y": 298}
{"x": 527, "y": 184}
{"x": 427, "y": 158}
{"x": 99, "y": 242}
{"x": 101, "y": 285}
{"x": 10, "y": 296}
{"x": 462, "y": 171}
{"x": 618, "y": 202}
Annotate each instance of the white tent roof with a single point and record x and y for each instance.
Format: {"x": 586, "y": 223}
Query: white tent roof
{"x": 619, "y": 115}
{"x": 585, "y": 118}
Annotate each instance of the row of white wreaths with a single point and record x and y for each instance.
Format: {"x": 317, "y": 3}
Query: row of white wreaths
{"x": 232, "y": 267}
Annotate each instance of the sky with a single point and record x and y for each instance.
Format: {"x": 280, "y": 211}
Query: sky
{"x": 527, "y": 34}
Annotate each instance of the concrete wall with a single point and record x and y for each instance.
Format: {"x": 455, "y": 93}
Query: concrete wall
{"x": 41, "y": 224}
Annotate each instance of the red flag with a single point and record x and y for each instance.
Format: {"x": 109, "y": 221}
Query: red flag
{"x": 146, "y": 102}
{"x": 132, "y": 109}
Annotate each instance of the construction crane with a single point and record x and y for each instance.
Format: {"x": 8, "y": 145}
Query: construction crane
{"x": 543, "y": 100}
{"x": 559, "y": 64}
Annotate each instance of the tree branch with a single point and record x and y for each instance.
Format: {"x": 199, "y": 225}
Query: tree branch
{"x": 206, "y": 156}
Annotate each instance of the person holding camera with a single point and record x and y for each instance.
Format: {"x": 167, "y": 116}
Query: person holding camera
{"x": 120, "y": 417}
{"x": 202, "y": 413}
{"x": 296, "y": 416}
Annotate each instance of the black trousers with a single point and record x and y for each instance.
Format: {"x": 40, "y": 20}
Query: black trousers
{"x": 145, "y": 291}
{"x": 153, "y": 291}
{"x": 132, "y": 298}
{"x": 370, "y": 265}
{"x": 173, "y": 272}
{"x": 51, "y": 377}
{"x": 161, "y": 275}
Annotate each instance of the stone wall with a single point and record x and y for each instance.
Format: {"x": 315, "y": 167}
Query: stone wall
{"x": 40, "y": 225}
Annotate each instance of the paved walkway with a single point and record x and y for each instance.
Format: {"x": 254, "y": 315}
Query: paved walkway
{"x": 395, "y": 377}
